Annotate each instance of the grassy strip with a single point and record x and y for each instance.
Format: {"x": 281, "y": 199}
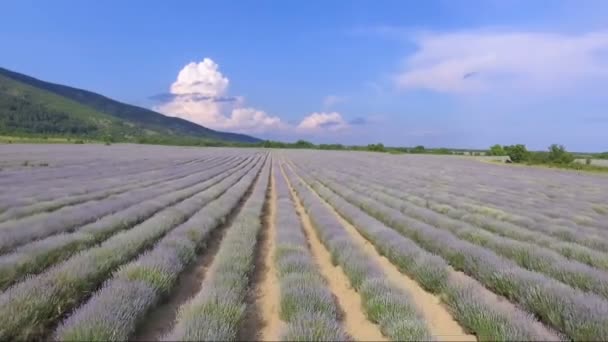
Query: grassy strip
{"x": 307, "y": 304}
{"x": 30, "y": 307}
{"x": 35, "y": 257}
{"x": 579, "y": 315}
{"x": 388, "y": 306}
{"x": 216, "y": 312}
{"x": 107, "y": 316}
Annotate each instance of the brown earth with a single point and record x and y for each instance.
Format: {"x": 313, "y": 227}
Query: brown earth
{"x": 162, "y": 318}
{"x": 355, "y": 322}
{"x": 440, "y": 322}
{"x": 267, "y": 290}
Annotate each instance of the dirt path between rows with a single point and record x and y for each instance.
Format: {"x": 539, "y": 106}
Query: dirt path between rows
{"x": 355, "y": 322}
{"x": 440, "y": 322}
{"x": 265, "y": 324}
{"x": 161, "y": 319}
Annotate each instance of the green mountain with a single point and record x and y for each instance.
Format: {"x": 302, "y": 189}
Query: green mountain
{"x": 29, "y": 106}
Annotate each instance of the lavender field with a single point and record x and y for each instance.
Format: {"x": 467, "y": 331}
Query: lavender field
{"x": 133, "y": 242}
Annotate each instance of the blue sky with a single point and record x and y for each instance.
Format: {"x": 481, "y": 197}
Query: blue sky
{"x": 437, "y": 73}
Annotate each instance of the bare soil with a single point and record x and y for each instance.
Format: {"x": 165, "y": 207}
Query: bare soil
{"x": 262, "y": 322}
{"x": 162, "y": 318}
{"x": 355, "y": 322}
{"x": 440, "y": 322}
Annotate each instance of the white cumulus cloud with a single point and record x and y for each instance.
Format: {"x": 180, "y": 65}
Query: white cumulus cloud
{"x": 198, "y": 95}
{"x": 480, "y": 61}
{"x": 202, "y": 78}
{"x": 320, "y": 121}
{"x": 253, "y": 120}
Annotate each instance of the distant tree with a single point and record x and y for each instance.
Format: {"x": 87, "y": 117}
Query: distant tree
{"x": 559, "y": 155}
{"x": 108, "y": 139}
{"x": 497, "y": 150}
{"x": 418, "y": 149}
{"x": 273, "y": 144}
{"x": 331, "y": 147}
{"x": 376, "y": 147}
{"x": 517, "y": 153}
{"x": 442, "y": 150}
{"x": 304, "y": 144}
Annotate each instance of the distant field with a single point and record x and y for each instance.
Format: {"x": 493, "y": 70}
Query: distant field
{"x": 596, "y": 162}
{"x": 166, "y": 243}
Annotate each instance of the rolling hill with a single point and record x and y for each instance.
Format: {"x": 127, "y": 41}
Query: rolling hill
{"x": 33, "y": 107}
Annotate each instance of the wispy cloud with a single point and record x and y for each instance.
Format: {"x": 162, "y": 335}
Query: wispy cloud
{"x": 332, "y": 100}
{"x": 323, "y": 121}
{"x": 477, "y": 61}
{"x": 165, "y": 97}
{"x": 358, "y": 121}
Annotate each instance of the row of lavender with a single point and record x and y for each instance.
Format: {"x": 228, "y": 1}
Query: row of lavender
{"x": 577, "y": 314}
{"x": 585, "y": 248}
{"x": 577, "y": 200}
{"x": 109, "y": 171}
{"x": 306, "y": 304}
{"x": 384, "y": 304}
{"x": 19, "y": 232}
{"x": 34, "y": 257}
{"x": 581, "y": 242}
{"x": 29, "y": 308}
{"x": 216, "y": 312}
{"x": 114, "y": 311}
{"x": 90, "y": 162}
{"x": 118, "y": 184}
{"x": 531, "y": 188}
{"x": 527, "y": 255}
{"x": 482, "y": 315}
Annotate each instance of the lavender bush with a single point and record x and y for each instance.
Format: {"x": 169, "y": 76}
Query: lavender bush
{"x": 526, "y": 255}
{"x": 17, "y": 232}
{"x": 482, "y": 316}
{"x": 390, "y": 307}
{"x": 306, "y": 303}
{"x": 109, "y": 317}
{"x": 577, "y": 314}
{"x": 216, "y": 312}
{"x": 126, "y": 184}
{"x": 34, "y": 257}
{"x": 28, "y": 308}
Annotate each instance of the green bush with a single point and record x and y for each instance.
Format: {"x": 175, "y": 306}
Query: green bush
{"x": 497, "y": 150}
{"x": 376, "y": 147}
{"x": 559, "y": 155}
{"x": 518, "y": 153}
{"x": 418, "y": 149}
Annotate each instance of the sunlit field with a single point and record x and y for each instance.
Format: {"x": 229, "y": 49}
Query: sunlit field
{"x": 175, "y": 243}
